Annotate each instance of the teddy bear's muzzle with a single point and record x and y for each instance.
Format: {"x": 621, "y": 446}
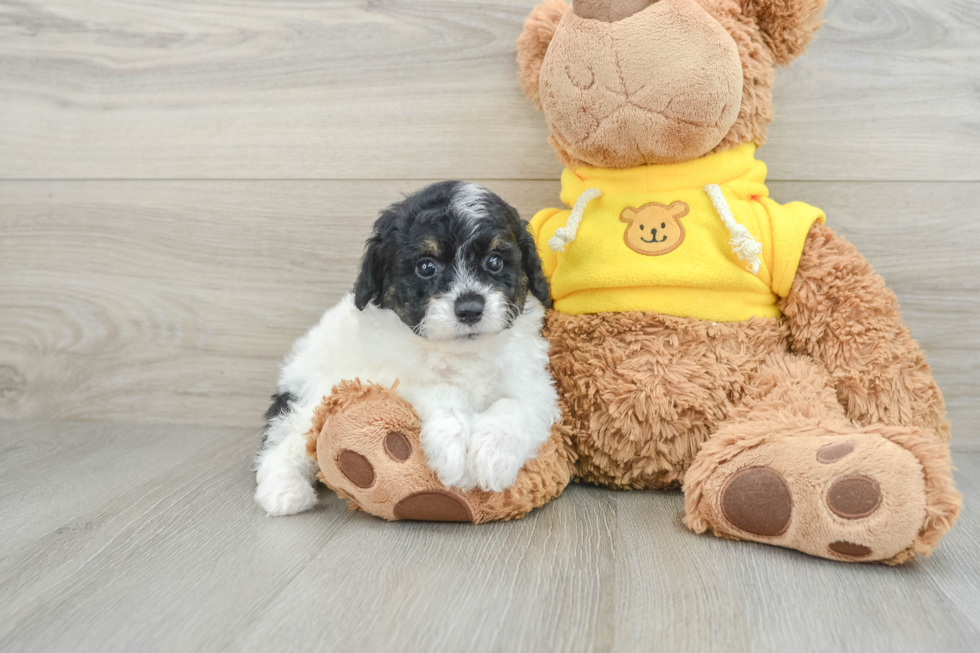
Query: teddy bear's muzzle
{"x": 610, "y": 11}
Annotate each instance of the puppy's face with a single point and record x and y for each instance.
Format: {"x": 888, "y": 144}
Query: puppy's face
{"x": 453, "y": 261}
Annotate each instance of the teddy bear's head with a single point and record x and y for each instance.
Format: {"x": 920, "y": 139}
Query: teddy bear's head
{"x": 624, "y": 83}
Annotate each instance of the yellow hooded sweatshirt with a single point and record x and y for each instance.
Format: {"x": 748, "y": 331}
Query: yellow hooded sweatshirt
{"x": 699, "y": 239}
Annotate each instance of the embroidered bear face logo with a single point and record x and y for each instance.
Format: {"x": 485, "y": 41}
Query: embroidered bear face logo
{"x": 654, "y": 228}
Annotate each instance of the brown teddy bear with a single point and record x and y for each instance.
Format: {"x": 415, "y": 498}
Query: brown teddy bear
{"x": 703, "y": 335}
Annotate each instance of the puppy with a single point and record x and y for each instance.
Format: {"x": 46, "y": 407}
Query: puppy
{"x": 449, "y": 302}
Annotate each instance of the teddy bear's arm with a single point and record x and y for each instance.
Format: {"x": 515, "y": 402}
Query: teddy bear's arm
{"x": 841, "y": 313}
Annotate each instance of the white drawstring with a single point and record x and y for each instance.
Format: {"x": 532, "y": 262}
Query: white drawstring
{"x": 566, "y": 234}
{"x": 744, "y": 245}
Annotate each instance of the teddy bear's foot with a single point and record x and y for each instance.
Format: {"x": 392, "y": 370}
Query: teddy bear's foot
{"x": 877, "y": 494}
{"x": 365, "y": 439}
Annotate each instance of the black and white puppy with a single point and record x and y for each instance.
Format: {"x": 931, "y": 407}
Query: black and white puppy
{"x": 450, "y": 302}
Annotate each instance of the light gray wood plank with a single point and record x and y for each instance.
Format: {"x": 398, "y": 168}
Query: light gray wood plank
{"x": 174, "y": 301}
{"x": 306, "y": 89}
{"x": 50, "y": 474}
{"x": 539, "y": 584}
{"x": 167, "y": 555}
{"x": 886, "y": 91}
{"x": 180, "y": 559}
{"x": 353, "y": 90}
{"x": 679, "y": 591}
{"x": 958, "y": 576}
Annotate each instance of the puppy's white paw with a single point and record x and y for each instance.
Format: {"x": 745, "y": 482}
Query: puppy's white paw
{"x": 443, "y": 442}
{"x": 496, "y": 455}
{"x": 285, "y": 495}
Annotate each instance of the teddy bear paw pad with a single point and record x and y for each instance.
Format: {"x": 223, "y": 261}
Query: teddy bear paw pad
{"x": 845, "y": 497}
{"x": 849, "y": 549}
{"x": 757, "y": 500}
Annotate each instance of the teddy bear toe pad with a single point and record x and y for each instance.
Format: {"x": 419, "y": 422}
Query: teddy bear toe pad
{"x": 397, "y": 446}
{"x": 433, "y": 505}
{"x": 844, "y": 497}
{"x": 356, "y": 468}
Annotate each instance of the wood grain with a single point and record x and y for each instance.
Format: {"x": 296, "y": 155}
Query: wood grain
{"x": 422, "y": 90}
{"x": 744, "y": 597}
{"x": 169, "y": 553}
{"x": 175, "y": 301}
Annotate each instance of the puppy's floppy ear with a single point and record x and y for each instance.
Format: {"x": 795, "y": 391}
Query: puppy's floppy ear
{"x": 536, "y": 281}
{"x": 539, "y": 29}
{"x": 370, "y": 282}
{"x": 537, "y": 284}
{"x": 787, "y": 26}
{"x": 376, "y": 264}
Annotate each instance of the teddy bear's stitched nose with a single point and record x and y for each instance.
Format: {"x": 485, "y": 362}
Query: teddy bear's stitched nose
{"x": 610, "y": 11}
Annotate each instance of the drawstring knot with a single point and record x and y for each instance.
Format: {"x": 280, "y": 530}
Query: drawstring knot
{"x": 744, "y": 245}
{"x": 566, "y": 234}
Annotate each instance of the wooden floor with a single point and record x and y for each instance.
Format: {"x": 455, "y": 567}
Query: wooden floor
{"x": 185, "y": 186}
{"x": 121, "y": 538}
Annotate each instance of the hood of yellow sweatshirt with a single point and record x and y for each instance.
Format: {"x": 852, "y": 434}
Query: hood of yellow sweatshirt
{"x": 737, "y": 166}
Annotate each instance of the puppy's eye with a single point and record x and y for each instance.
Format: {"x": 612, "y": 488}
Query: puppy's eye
{"x": 426, "y": 268}
{"x": 663, "y": 225}
{"x": 642, "y": 227}
{"x": 493, "y": 263}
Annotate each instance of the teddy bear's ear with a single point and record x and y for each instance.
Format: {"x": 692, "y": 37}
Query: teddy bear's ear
{"x": 787, "y": 26}
{"x": 678, "y": 210}
{"x": 628, "y": 215}
{"x": 539, "y": 29}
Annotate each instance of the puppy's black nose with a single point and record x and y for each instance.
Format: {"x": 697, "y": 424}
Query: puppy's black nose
{"x": 469, "y": 308}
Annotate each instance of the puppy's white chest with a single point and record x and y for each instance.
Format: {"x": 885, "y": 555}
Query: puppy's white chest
{"x": 475, "y": 376}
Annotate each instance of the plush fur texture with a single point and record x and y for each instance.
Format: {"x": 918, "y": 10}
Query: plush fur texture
{"x": 789, "y": 415}
{"x": 665, "y": 387}
{"x": 480, "y": 384}
{"x": 786, "y": 27}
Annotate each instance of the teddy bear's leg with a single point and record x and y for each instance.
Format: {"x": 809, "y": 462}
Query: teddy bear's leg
{"x": 842, "y": 315}
{"x": 788, "y": 468}
{"x": 878, "y": 397}
{"x": 365, "y": 439}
